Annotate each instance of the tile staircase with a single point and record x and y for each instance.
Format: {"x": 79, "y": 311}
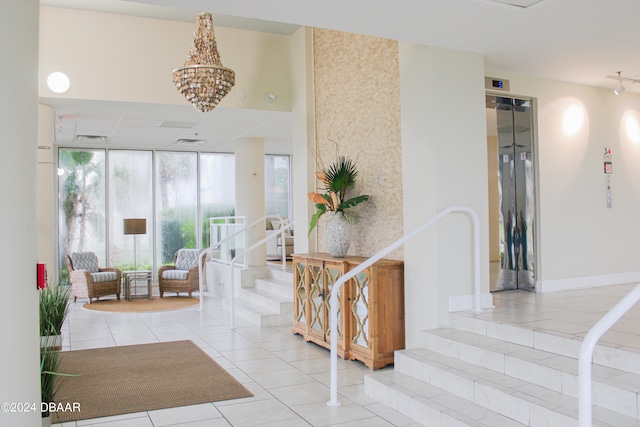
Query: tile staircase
{"x": 480, "y": 372}
{"x": 269, "y": 302}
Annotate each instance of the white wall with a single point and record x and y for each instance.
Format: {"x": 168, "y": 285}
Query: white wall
{"x": 123, "y": 58}
{"x": 444, "y": 164}
{"x": 582, "y": 243}
{"x": 46, "y": 193}
{"x": 20, "y": 367}
{"x": 303, "y": 164}
{"x": 250, "y": 197}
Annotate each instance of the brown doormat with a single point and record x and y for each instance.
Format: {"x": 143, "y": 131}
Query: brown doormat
{"x": 143, "y": 304}
{"x": 135, "y": 378}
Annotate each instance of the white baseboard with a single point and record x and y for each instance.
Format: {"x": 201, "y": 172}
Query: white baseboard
{"x": 575, "y": 283}
{"x": 465, "y": 302}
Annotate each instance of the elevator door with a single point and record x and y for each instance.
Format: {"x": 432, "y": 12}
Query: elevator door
{"x": 513, "y": 267}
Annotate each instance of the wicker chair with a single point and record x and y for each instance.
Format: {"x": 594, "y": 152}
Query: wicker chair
{"x": 88, "y": 280}
{"x": 183, "y": 276}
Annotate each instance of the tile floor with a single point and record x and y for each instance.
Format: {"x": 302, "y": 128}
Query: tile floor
{"x": 569, "y": 314}
{"x": 288, "y": 377}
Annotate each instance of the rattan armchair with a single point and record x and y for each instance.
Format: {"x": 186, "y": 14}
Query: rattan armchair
{"x": 183, "y": 276}
{"x": 90, "y": 281}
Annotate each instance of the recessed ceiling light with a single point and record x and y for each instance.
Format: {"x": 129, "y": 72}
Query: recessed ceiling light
{"x": 91, "y": 138}
{"x": 187, "y": 141}
{"x": 177, "y": 124}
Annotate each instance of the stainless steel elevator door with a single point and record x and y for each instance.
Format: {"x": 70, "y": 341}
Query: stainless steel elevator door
{"x": 514, "y": 195}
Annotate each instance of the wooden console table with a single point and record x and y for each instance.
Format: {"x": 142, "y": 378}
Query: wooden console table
{"x": 371, "y": 310}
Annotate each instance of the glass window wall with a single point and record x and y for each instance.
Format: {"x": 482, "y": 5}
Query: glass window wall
{"x": 82, "y": 212}
{"x": 176, "y": 192}
{"x": 130, "y": 196}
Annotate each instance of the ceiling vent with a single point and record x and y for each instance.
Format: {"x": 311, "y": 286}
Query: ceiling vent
{"x": 186, "y": 141}
{"x": 518, "y": 3}
{"x": 176, "y": 124}
{"x": 90, "y": 138}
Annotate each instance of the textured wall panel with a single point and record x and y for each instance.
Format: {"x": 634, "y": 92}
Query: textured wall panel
{"x": 357, "y": 93}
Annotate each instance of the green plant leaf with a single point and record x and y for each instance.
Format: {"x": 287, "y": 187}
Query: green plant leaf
{"x": 340, "y": 176}
{"x": 353, "y": 202}
{"x": 54, "y": 306}
{"x": 320, "y": 210}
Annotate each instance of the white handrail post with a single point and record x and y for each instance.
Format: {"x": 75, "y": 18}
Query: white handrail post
{"x": 232, "y": 272}
{"x": 477, "y": 306}
{"x": 587, "y": 348}
{"x": 333, "y": 301}
{"x": 232, "y": 306}
{"x": 333, "y": 316}
{"x": 203, "y": 254}
{"x": 284, "y": 248}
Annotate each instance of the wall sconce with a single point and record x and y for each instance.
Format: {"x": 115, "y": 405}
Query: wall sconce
{"x": 573, "y": 119}
{"x": 632, "y": 128}
{"x": 58, "y": 82}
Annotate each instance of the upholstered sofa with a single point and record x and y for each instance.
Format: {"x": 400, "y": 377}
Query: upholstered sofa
{"x": 274, "y": 245}
{"x": 183, "y": 275}
{"x": 88, "y": 280}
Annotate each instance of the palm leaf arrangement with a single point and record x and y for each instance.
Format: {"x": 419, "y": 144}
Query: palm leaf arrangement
{"x": 335, "y": 181}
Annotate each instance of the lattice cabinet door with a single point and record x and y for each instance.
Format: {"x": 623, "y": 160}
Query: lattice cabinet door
{"x": 332, "y": 272}
{"x": 359, "y": 310}
{"x": 376, "y": 313}
{"x": 316, "y": 299}
{"x": 299, "y": 296}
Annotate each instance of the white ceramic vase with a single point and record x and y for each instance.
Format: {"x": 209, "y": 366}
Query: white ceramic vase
{"x": 337, "y": 235}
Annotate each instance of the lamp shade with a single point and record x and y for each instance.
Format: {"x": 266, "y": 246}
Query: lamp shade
{"x": 135, "y": 226}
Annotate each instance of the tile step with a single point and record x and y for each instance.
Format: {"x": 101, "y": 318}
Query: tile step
{"x": 261, "y": 316}
{"x": 527, "y": 403}
{"x": 429, "y": 405}
{"x": 612, "y": 388}
{"x": 279, "y": 287}
{"x": 554, "y": 342}
{"x": 271, "y": 301}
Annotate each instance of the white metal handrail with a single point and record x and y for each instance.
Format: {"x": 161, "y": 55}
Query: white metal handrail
{"x": 210, "y": 249}
{"x": 587, "y": 348}
{"x": 232, "y": 306}
{"x": 333, "y": 302}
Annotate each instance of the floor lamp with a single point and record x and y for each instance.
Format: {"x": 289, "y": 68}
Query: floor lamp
{"x": 135, "y": 226}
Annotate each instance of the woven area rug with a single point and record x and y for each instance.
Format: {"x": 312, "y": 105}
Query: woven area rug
{"x": 143, "y": 304}
{"x": 135, "y": 378}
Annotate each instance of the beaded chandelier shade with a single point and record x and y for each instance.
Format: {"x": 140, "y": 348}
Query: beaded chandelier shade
{"x": 203, "y": 80}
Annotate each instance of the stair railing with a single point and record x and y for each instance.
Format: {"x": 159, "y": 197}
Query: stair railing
{"x": 333, "y": 302}
{"x": 232, "y": 306}
{"x": 588, "y": 346}
{"x": 210, "y": 249}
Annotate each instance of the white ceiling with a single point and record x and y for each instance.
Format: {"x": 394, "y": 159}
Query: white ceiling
{"x": 578, "y": 41}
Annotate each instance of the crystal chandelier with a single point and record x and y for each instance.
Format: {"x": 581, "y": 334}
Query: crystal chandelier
{"x": 203, "y": 80}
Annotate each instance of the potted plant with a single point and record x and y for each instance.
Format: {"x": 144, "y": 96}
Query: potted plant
{"x": 335, "y": 182}
{"x": 54, "y": 307}
{"x": 49, "y": 381}
{"x": 49, "y": 363}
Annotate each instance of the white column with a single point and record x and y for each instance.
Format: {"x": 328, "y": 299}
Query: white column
{"x": 46, "y": 186}
{"x": 444, "y": 164}
{"x": 20, "y": 367}
{"x": 250, "y": 192}
{"x": 304, "y": 138}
